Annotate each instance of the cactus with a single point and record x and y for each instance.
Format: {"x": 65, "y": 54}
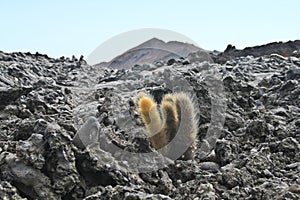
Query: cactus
{"x": 174, "y": 127}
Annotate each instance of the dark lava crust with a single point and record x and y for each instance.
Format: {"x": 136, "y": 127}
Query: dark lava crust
{"x": 45, "y": 101}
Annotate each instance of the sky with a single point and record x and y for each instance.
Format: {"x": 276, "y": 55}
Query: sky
{"x": 66, "y": 28}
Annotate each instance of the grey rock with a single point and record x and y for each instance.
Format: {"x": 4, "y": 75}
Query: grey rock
{"x": 29, "y": 180}
{"x": 72, "y": 131}
{"x": 283, "y": 49}
{"x": 293, "y": 74}
{"x": 9, "y": 95}
{"x": 88, "y": 133}
{"x": 7, "y": 191}
{"x": 226, "y": 152}
{"x": 210, "y": 166}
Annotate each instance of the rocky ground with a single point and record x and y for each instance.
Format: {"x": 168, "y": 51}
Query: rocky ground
{"x": 249, "y": 122}
{"x": 290, "y": 48}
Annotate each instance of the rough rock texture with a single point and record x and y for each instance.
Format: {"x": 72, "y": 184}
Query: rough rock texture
{"x": 290, "y": 48}
{"x": 249, "y": 122}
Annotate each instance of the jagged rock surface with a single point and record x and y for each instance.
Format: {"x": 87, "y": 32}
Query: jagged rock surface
{"x": 290, "y": 48}
{"x": 45, "y": 101}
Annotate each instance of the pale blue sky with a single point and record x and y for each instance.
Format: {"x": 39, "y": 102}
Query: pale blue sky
{"x": 78, "y": 27}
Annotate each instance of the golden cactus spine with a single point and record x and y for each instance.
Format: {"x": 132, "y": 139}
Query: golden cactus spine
{"x": 175, "y": 124}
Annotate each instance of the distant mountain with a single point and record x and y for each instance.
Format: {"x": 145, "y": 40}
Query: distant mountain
{"x": 151, "y": 51}
{"x": 155, "y": 50}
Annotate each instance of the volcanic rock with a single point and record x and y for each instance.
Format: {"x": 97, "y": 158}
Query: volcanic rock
{"x": 290, "y": 48}
{"x": 249, "y": 139}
